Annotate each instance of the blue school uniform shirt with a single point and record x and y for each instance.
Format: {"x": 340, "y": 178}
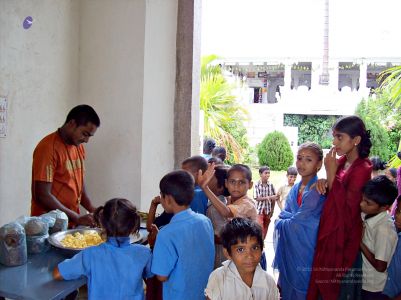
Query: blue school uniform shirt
{"x": 393, "y": 283}
{"x": 184, "y": 251}
{"x": 199, "y": 202}
{"x": 112, "y": 271}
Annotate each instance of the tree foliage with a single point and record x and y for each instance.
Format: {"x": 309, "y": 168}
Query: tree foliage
{"x": 367, "y": 111}
{"x": 275, "y": 151}
{"x": 312, "y": 128}
{"x": 223, "y": 115}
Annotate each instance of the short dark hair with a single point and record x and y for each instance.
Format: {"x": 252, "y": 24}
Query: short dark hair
{"x": 195, "y": 163}
{"x": 292, "y": 171}
{"x": 118, "y": 217}
{"x": 83, "y": 114}
{"x": 380, "y": 190}
{"x": 393, "y": 172}
{"x": 219, "y": 152}
{"x": 208, "y": 145}
{"x": 220, "y": 172}
{"x": 241, "y": 168}
{"x": 179, "y": 185}
{"x": 263, "y": 168}
{"x": 215, "y": 160}
{"x": 239, "y": 229}
{"x": 377, "y": 163}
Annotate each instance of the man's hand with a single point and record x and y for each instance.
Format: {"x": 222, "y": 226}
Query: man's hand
{"x": 86, "y": 220}
{"x": 156, "y": 201}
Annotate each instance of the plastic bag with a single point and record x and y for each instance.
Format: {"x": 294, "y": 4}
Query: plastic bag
{"x": 13, "y": 249}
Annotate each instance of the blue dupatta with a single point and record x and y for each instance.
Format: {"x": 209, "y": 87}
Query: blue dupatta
{"x": 294, "y": 239}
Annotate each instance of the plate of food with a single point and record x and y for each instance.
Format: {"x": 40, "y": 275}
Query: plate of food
{"x": 71, "y": 241}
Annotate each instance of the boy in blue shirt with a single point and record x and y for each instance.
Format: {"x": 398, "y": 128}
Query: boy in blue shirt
{"x": 193, "y": 165}
{"x": 183, "y": 254}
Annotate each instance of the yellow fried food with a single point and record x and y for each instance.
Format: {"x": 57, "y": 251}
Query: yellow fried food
{"x": 80, "y": 241}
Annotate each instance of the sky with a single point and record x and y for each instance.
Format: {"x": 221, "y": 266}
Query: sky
{"x": 287, "y": 28}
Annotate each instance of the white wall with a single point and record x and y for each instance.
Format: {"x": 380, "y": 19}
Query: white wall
{"x": 119, "y": 57}
{"x": 158, "y": 96}
{"x": 111, "y": 79}
{"x": 39, "y": 76}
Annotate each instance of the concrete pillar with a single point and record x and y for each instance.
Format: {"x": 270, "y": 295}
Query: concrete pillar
{"x": 186, "y": 106}
{"x": 287, "y": 76}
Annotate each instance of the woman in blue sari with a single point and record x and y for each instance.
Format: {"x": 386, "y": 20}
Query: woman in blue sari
{"x": 297, "y": 226}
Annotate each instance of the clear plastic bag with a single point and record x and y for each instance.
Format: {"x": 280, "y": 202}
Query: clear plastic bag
{"x": 13, "y": 249}
{"x": 61, "y": 220}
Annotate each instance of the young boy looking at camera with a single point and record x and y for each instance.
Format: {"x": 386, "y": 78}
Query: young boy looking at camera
{"x": 241, "y": 276}
{"x": 183, "y": 255}
{"x": 379, "y": 236}
{"x": 265, "y": 197}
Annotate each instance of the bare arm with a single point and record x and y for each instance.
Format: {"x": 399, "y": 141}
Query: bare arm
{"x": 379, "y": 265}
{"x": 44, "y": 196}
{"x": 152, "y": 212}
{"x": 56, "y": 274}
{"x": 330, "y": 163}
{"x": 162, "y": 278}
{"x": 203, "y": 181}
{"x": 86, "y": 202}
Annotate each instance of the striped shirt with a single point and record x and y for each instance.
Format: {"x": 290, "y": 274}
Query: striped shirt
{"x": 263, "y": 190}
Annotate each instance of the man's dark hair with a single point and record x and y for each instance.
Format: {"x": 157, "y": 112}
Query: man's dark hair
{"x": 263, "y": 168}
{"x": 380, "y": 190}
{"x": 239, "y": 229}
{"x": 241, "y": 168}
{"x": 219, "y": 152}
{"x": 195, "y": 163}
{"x": 215, "y": 160}
{"x": 208, "y": 145}
{"x": 83, "y": 114}
{"x": 377, "y": 163}
{"x": 179, "y": 185}
{"x": 292, "y": 171}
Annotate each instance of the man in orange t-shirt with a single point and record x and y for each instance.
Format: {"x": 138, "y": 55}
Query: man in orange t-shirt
{"x": 58, "y": 168}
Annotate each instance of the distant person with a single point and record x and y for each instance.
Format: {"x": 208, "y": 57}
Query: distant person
{"x": 216, "y": 161}
{"x": 283, "y": 191}
{"x": 116, "y": 268}
{"x": 241, "y": 276}
{"x": 58, "y": 168}
{"x": 183, "y": 254}
{"x": 208, "y": 145}
{"x": 377, "y": 166}
{"x": 220, "y": 152}
{"x": 391, "y": 174}
{"x": 265, "y": 197}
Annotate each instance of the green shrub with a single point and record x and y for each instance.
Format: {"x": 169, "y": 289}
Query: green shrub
{"x": 275, "y": 151}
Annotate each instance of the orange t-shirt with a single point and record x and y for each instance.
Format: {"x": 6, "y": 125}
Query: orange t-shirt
{"x": 61, "y": 164}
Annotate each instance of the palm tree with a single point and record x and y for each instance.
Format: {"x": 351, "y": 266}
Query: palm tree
{"x": 220, "y": 108}
{"x": 391, "y": 82}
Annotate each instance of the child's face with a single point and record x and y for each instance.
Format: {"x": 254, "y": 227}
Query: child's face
{"x": 237, "y": 184}
{"x": 308, "y": 163}
{"x": 291, "y": 179}
{"x": 245, "y": 255}
{"x": 344, "y": 144}
{"x": 370, "y": 207}
{"x": 213, "y": 185}
{"x": 397, "y": 216}
{"x": 265, "y": 176}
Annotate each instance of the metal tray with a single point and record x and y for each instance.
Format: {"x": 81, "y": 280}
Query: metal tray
{"x": 56, "y": 238}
